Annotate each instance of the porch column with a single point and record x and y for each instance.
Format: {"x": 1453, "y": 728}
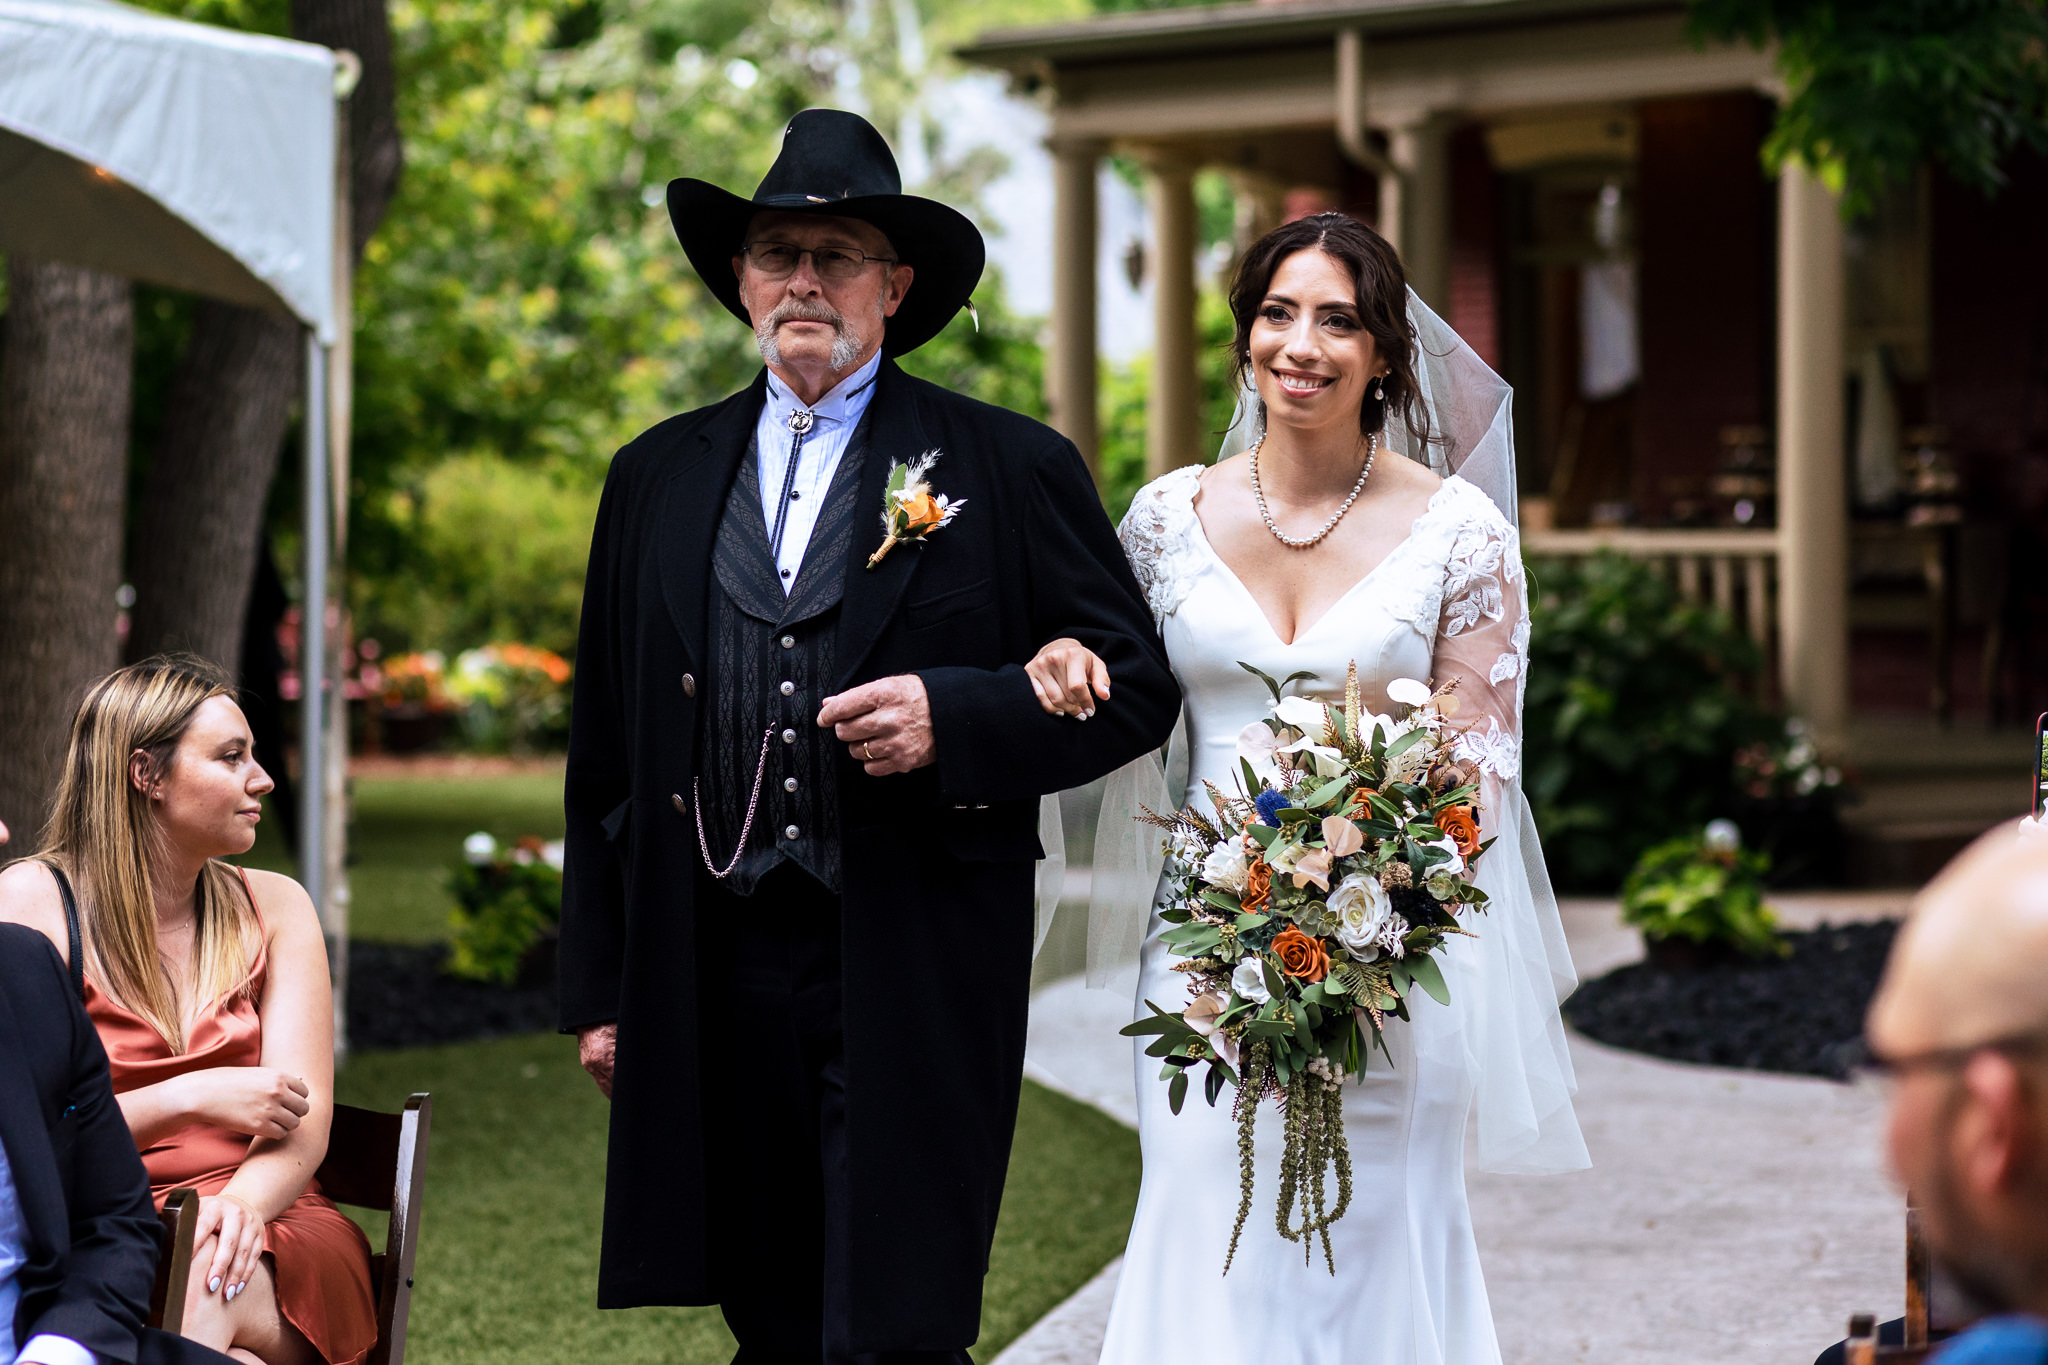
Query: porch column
{"x": 1070, "y": 373}
{"x": 1813, "y": 511}
{"x": 1172, "y": 408}
{"x": 1421, "y": 148}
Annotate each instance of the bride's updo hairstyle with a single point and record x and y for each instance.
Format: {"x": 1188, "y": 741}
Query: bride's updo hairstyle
{"x": 1382, "y": 309}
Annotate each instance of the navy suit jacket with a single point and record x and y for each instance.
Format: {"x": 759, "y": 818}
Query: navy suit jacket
{"x": 92, "y": 1230}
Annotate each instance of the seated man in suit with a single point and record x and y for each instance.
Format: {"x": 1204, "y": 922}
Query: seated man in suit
{"x": 78, "y": 1234}
{"x": 1961, "y": 1024}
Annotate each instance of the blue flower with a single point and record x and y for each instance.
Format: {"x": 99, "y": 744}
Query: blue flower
{"x": 1270, "y": 804}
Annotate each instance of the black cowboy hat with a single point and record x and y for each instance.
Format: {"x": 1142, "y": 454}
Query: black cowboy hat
{"x": 835, "y": 163}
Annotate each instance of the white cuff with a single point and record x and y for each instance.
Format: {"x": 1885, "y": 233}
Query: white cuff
{"x": 46, "y": 1348}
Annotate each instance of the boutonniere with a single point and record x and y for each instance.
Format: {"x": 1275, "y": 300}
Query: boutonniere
{"x": 910, "y": 510}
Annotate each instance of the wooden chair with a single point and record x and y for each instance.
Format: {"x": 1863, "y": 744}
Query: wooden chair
{"x": 374, "y": 1161}
{"x": 1926, "y": 1325}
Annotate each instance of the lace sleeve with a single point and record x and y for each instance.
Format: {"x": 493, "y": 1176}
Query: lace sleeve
{"x": 1483, "y": 639}
{"x": 1518, "y": 968}
{"x": 1158, "y": 541}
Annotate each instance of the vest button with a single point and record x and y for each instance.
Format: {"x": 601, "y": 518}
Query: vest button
{"x": 789, "y": 784}
{"x": 789, "y": 831}
{"x": 789, "y": 736}
{"x": 789, "y": 689}
{"x": 789, "y": 642}
{"x": 689, "y": 686}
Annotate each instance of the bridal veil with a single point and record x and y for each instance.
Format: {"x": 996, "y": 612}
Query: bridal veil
{"x": 1522, "y": 970}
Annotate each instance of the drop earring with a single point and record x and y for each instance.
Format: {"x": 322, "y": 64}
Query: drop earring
{"x": 1379, "y": 389}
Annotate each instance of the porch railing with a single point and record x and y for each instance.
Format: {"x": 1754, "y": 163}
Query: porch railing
{"x": 1735, "y": 569}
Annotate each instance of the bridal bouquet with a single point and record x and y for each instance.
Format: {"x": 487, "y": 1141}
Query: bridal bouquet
{"x": 1304, "y": 912}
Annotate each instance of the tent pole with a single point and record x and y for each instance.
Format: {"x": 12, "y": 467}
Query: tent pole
{"x": 313, "y": 632}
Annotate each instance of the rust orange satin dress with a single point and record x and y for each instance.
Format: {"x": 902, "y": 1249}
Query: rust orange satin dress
{"x": 322, "y": 1259}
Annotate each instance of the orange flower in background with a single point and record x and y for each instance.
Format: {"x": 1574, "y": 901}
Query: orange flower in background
{"x": 1258, "y": 883}
{"x": 920, "y": 511}
{"x": 1462, "y": 825}
{"x": 1301, "y": 956}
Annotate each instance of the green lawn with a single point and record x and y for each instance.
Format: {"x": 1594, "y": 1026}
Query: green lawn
{"x": 515, "y": 1172}
{"x": 408, "y": 832}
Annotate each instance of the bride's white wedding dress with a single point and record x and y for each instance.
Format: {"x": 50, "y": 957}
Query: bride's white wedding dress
{"x": 1447, "y": 602}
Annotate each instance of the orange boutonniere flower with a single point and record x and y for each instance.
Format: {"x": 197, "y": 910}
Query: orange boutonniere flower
{"x": 1301, "y": 956}
{"x": 1462, "y": 825}
{"x": 910, "y": 510}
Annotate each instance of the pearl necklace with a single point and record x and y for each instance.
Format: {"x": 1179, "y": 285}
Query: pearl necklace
{"x": 1259, "y": 495}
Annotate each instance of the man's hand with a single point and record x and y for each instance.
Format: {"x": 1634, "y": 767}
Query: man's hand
{"x": 886, "y": 724}
{"x": 596, "y": 1046}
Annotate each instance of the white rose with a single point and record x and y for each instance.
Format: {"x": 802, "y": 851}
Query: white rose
{"x": 1226, "y": 866}
{"x": 479, "y": 848}
{"x": 1363, "y": 909}
{"x": 1452, "y": 868}
{"x": 1305, "y": 714}
{"x": 1249, "y": 981}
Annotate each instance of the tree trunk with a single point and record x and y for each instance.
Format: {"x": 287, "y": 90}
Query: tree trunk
{"x": 65, "y": 370}
{"x": 231, "y": 401}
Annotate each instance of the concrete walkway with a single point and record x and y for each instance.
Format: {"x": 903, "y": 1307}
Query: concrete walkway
{"x": 1729, "y": 1215}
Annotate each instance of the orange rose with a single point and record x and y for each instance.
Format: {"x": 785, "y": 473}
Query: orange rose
{"x": 1462, "y": 825}
{"x": 1258, "y": 882}
{"x": 921, "y": 512}
{"x": 1301, "y": 956}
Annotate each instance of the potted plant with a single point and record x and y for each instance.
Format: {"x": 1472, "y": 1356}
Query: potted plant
{"x": 1698, "y": 901}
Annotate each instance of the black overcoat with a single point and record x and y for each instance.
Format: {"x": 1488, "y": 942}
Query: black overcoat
{"x": 937, "y": 864}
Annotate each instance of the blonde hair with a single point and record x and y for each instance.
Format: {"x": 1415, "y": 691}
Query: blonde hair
{"x": 102, "y": 833}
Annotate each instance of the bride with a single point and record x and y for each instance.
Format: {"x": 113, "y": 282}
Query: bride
{"x": 1365, "y": 523}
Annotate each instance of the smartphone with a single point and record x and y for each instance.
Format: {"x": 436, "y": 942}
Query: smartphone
{"x": 2040, "y": 802}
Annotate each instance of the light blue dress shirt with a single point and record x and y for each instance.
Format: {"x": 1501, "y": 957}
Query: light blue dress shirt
{"x": 817, "y": 458}
{"x": 43, "y": 1348}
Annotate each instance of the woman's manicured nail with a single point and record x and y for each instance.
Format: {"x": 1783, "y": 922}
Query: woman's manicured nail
{"x": 213, "y": 1285}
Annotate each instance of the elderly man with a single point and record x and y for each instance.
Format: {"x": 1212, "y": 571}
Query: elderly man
{"x": 804, "y": 771}
{"x": 1961, "y": 1021}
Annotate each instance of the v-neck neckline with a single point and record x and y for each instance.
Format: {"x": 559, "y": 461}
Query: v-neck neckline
{"x": 1303, "y": 632}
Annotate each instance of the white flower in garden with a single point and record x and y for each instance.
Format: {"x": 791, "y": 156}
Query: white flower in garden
{"x": 1362, "y": 908}
{"x": 1227, "y": 867}
{"x": 1723, "y": 836}
{"x": 479, "y": 848}
{"x": 1408, "y": 692}
{"x": 1249, "y": 981}
{"x": 554, "y": 853}
{"x": 1305, "y": 714}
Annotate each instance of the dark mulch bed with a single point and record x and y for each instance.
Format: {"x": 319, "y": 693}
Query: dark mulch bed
{"x": 399, "y": 997}
{"x": 1802, "y": 1013}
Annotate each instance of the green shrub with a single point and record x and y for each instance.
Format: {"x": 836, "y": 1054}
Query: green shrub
{"x": 1706, "y": 889}
{"x": 514, "y": 697}
{"x": 507, "y": 901}
{"x": 1636, "y": 708}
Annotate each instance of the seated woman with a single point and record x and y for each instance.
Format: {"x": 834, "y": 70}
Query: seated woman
{"x": 209, "y": 988}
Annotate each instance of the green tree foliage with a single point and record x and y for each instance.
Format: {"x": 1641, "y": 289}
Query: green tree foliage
{"x": 526, "y": 309}
{"x": 1875, "y": 88}
{"x": 1635, "y": 710}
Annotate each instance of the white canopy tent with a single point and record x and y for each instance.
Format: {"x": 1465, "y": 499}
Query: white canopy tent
{"x": 206, "y": 160}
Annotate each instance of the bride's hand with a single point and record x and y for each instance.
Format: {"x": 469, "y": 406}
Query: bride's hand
{"x": 1068, "y": 678}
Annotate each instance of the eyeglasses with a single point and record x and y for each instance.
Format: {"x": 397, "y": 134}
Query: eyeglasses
{"x": 778, "y": 260}
{"x": 1867, "y": 1061}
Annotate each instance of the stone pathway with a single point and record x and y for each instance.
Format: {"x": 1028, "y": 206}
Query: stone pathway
{"x": 1729, "y": 1216}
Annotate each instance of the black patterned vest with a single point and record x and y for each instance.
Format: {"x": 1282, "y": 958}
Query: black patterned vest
{"x": 772, "y": 662}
